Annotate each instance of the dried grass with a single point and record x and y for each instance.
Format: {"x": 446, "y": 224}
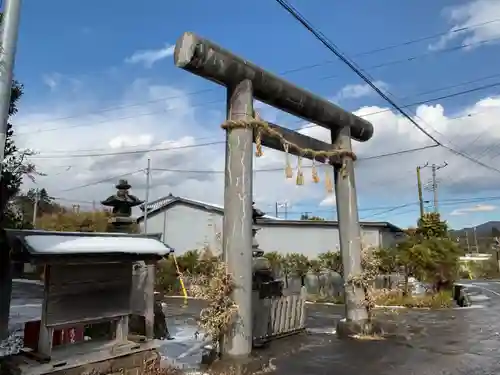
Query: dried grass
{"x": 370, "y": 266}
{"x": 216, "y": 288}
{"x": 397, "y": 298}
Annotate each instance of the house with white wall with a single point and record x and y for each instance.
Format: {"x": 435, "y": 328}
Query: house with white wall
{"x": 188, "y": 224}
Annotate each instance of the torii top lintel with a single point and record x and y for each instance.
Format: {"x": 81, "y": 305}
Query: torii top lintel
{"x": 208, "y": 60}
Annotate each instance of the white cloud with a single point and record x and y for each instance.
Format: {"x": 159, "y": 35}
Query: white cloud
{"x": 462, "y": 17}
{"x": 59, "y": 82}
{"x": 357, "y": 91}
{"x": 329, "y": 201}
{"x": 132, "y": 127}
{"x": 478, "y": 208}
{"x": 51, "y": 80}
{"x": 151, "y": 56}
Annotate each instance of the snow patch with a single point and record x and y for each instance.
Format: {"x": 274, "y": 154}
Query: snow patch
{"x": 56, "y": 245}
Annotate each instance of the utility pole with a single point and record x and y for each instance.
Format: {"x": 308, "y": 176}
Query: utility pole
{"x": 35, "y": 207}
{"x": 419, "y": 188}
{"x": 475, "y": 239}
{"x": 435, "y": 168}
{"x": 276, "y": 209}
{"x": 9, "y": 29}
{"x": 283, "y": 205}
{"x": 146, "y": 202}
{"x": 467, "y": 241}
{"x": 497, "y": 251}
{"x": 434, "y": 183}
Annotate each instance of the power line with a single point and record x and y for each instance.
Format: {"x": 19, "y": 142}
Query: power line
{"x": 423, "y": 55}
{"x": 157, "y": 149}
{"x": 383, "y": 209}
{"x": 31, "y": 132}
{"x": 432, "y": 36}
{"x": 285, "y": 72}
{"x": 328, "y": 44}
{"x": 73, "y": 155}
{"x": 203, "y": 104}
{"x": 122, "y": 106}
{"x": 106, "y": 179}
{"x": 331, "y": 46}
{"x": 212, "y": 171}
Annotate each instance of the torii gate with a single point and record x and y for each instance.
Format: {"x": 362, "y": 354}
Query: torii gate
{"x": 246, "y": 81}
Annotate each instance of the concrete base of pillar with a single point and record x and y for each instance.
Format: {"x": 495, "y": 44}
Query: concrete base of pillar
{"x": 350, "y": 329}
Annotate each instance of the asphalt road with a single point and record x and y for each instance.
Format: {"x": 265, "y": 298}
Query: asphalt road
{"x": 444, "y": 342}
{"x": 454, "y": 341}
{"x": 489, "y": 289}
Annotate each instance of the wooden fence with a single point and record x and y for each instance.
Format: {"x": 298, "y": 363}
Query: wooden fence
{"x": 279, "y": 316}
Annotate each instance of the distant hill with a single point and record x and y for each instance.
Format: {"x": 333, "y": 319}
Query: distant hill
{"x": 484, "y": 235}
{"x": 488, "y": 229}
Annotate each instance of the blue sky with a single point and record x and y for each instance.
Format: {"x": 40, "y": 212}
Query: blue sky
{"x": 77, "y": 58}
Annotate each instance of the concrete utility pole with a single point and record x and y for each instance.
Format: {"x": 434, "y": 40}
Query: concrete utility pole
{"x": 237, "y": 247}
{"x": 349, "y": 229}
{"x": 283, "y": 205}
{"x": 35, "y": 207}
{"x": 475, "y": 239}
{"x": 146, "y": 202}
{"x": 467, "y": 241}
{"x": 419, "y": 188}
{"x": 434, "y": 183}
{"x": 9, "y": 30}
{"x": 435, "y": 168}
{"x": 497, "y": 251}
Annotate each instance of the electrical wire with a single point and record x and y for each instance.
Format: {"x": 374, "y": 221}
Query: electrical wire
{"x": 334, "y": 49}
{"x": 106, "y": 179}
{"x": 289, "y": 71}
{"x": 64, "y": 154}
{"x": 383, "y": 209}
{"x": 423, "y": 55}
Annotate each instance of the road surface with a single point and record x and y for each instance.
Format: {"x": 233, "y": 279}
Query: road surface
{"x": 444, "y": 342}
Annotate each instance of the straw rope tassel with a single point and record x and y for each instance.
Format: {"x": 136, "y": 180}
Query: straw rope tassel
{"x": 328, "y": 180}
{"x": 262, "y": 127}
{"x": 315, "y": 176}
{"x": 300, "y": 174}
{"x": 288, "y": 167}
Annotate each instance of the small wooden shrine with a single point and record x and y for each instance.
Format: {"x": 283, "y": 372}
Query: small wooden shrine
{"x": 88, "y": 282}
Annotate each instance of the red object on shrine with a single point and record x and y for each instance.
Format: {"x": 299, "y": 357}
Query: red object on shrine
{"x": 63, "y": 336}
